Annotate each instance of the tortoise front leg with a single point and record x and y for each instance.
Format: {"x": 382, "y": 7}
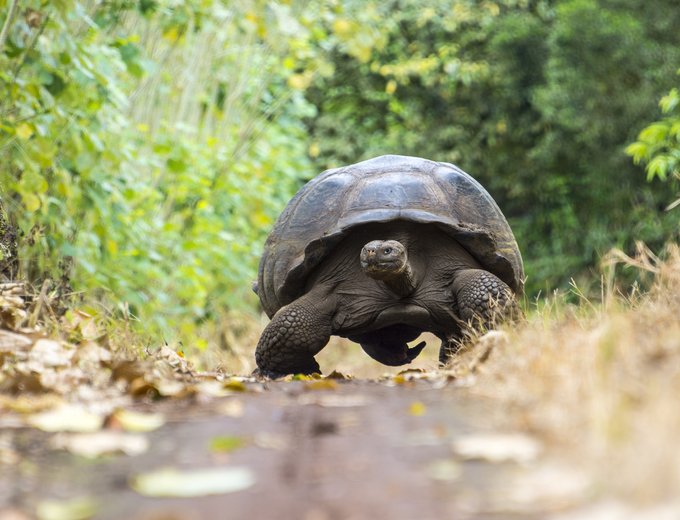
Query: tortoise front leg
{"x": 482, "y": 298}
{"x": 296, "y": 333}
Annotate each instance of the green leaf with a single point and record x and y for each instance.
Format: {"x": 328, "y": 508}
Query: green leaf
{"x": 658, "y": 167}
{"x": 226, "y": 443}
{"x": 654, "y": 133}
{"x": 24, "y": 131}
{"x": 670, "y": 101}
{"x": 31, "y": 201}
{"x": 638, "y": 151}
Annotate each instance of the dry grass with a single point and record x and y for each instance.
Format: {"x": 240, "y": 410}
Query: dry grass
{"x": 600, "y": 382}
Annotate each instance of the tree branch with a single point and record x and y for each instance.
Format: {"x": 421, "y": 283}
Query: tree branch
{"x": 8, "y": 22}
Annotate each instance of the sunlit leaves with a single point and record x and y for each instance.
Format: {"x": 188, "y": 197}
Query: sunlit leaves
{"x": 163, "y": 208}
{"x": 24, "y": 131}
{"x": 658, "y": 144}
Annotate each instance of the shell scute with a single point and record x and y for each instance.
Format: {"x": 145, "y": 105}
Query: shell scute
{"x": 383, "y": 189}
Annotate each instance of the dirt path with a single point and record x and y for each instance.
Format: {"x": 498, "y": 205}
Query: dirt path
{"x": 317, "y": 451}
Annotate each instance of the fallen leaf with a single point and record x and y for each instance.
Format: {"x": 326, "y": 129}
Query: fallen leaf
{"x": 171, "y": 388}
{"x": 170, "y": 482}
{"x": 334, "y": 400}
{"x": 50, "y": 353}
{"x": 212, "y": 389}
{"x": 12, "y": 342}
{"x": 445, "y": 469}
{"x": 235, "y": 385}
{"x": 399, "y": 379}
{"x": 270, "y": 441}
{"x": 497, "y": 447}
{"x": 298, "y": 377}
{"x": 30, "y": 403}
{"x": 417, "y": 408}
{"x": 231, "y": 408}
{"x": 67, "y": 418}
{"x": 91, "y": 352}
{"x": 547, "y": 488}
{"x": 73, "y": 509}
{"x": 96, "y": 444}
{"x": 175, "y": 360}
{"x": 322, "y": 384}
{"x": 616, "y": 510}
{"x": 138, "y": 422}
{"x": 226, "y": 443}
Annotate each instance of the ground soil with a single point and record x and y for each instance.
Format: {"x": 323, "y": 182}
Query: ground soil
{"x": 357, "y": 449}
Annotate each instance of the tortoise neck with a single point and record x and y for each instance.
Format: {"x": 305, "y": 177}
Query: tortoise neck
{"x": 402, "y": 283}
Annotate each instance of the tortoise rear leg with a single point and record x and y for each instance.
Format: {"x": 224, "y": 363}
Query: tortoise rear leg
{"x": 296, "y": 333}
{"x": 482, "y": 298}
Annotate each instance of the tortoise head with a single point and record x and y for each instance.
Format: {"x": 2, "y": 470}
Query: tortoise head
{"x": 384, "y": 259}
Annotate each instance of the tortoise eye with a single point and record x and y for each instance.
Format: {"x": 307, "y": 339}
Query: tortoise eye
{"x": 387, "y": 250}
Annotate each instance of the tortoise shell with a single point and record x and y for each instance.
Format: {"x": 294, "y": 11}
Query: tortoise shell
{"x": 384, "y": 189}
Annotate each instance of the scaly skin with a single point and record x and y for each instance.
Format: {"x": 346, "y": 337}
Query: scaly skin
{"x": 296, "y": 333}
{"x": 482, "y": 297}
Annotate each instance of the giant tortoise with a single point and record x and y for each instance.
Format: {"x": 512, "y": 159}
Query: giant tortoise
{"x": 379, "y": 252}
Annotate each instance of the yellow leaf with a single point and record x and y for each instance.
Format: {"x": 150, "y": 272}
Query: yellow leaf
{"x": 172, "y": 34}
{"x": 342, "y": 27}
{"x": 31, "y": 201}
{"x": 314, "y": 150}
{"x": 299, "y": 81}
{"x": 143, "y": 127}
{"x": 24, "y": 131}
{"x": 261, "y": 219}
{"x": 399, "y": 379}
{"x": 235, "y": 385}
{"x": 391, "y": 87}
{"x": 112, "y": 247}
{"x": 322, "y": 384}
{"x": 417, "y": 408}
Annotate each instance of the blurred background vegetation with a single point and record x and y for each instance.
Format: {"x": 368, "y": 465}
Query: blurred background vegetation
{"x": 146, "y": 147}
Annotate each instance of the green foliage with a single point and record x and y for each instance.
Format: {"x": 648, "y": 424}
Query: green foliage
{"x": 153, "y": 144}
{"x": 658, "y": 144}
{"x": 535, "y": 99}
{"x": 147, "y": 147}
